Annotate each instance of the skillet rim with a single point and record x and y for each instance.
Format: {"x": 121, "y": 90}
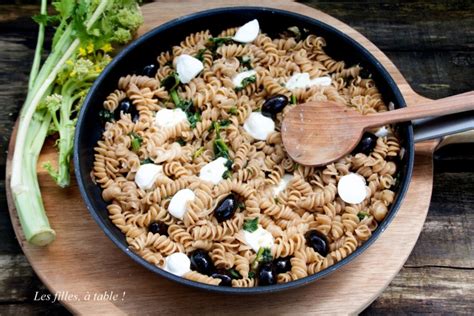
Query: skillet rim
{"x": 388, "y": 80}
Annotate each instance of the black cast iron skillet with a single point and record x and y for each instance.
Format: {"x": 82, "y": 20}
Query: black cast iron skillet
{"x": 144, "y": 51}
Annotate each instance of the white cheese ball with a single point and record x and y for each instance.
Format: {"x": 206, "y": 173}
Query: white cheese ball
{"x": 259, "y": 126}
{"x": 188, "y": 67}
{"x": 179, "y": 201}
{"x": 261, "y": 238}
{"x": 352, "y": 189}
{"x": 248, "y": 32}
{"x": 178, "y": 264}
{"x": 213, "y": 171}
{"x": 147, "y": 174}
{"x": 166, "y": 118}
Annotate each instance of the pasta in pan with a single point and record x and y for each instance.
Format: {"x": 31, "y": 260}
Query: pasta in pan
{"x": 193, "y": 167}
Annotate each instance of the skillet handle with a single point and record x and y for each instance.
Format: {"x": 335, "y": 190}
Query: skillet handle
{"x": 431, "y": 128}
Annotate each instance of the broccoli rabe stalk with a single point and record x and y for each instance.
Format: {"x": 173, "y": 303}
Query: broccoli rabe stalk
{"x": 84, "y": 29}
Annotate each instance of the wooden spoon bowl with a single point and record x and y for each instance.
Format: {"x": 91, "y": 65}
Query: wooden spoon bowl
{"x": 318, "y": 133}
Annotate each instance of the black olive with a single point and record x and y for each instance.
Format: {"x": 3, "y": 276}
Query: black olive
{"x": 201, "y": 262}
{"x": 366, "y": 144}
{"x": 149, "y": 70}
{"x": 158, "y": 228}
{"x": 226, "y": 208}
{"x": 266, "y": 275}
{"x": 282, "y": 264}
{"x": 224, "y": 276}
{"x": 318, "y": 242}
{"x": 126, "y": 106}
{"x": 274, "y": 105}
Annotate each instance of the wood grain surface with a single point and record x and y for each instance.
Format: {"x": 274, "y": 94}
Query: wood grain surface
{"x": 438, "y": 275}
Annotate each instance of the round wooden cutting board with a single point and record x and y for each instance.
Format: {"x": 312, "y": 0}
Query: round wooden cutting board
{"x": 91, "y": 276}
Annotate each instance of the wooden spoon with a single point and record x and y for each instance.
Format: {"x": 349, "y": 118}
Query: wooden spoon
{"x": 318, "y": 133}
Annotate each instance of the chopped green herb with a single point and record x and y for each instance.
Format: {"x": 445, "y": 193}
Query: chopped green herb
{"x": 215, "y": 42}
{"x": 136, "y": 142}
{"x": 170, "y": 82}
{"x": 106, "y": 116}
{"x": 181, "y": 141}
{"x": 198, "y": 152}
{"x": 241, "y": 205}
{"x": 245, "y": 61}
{"x": 264, "y": 255}
{"x": 296, "y": 166}
{"x": 224, "y": 123}
{"x": 234, "y": 274}
{"x": 229, "y": 163}
{"x": 200, "y": 54}
{"x": 227, "y": 174}
{"x": 362, "y": 215}
{"x": 148, "y": 160}
{"x": 194, "y": 119}
{"x": 233, "y": 110}
{"x": 221, "y": 149}
{"x": 245, "y": 82}
{"x": 293, "y": 99}
{"x": 251, "y": 274}
{"x": 251, "y": 225}
{"x": 186, "y": 105}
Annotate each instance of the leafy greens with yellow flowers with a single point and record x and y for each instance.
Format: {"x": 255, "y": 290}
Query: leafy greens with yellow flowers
{"x": 87, "y": 32}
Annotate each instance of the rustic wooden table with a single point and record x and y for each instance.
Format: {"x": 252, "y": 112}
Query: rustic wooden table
{"x": 432, "y": 45}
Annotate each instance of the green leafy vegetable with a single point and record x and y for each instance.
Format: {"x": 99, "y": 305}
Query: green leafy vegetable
{"x": 86, "y": 31}
{"x": 246, "y": 82}
{"x": 200, "y": 54}
{"x": 362, "y": 215}
{"x": 221, "y": 149}
{"x": 293, "y": 99}
{"x": 171, "y": 83}
{"x": 198, "y": 152}
{"x": 148, "y": 160}
{"x": 181, "y": 141}
{"x": 297, "y": 33}
{"x": 136, "y": 142}
{"x": 251, "y": 225}
{"x": 264, "y": 255}
{"x": 233, "y": 110}
{"x": 215, "y": 42}
{"x": 251, "y": 275}
{"x": 227, "y": 174}
{"x": 245, "y": 62}
{"x": 234, "y": 274}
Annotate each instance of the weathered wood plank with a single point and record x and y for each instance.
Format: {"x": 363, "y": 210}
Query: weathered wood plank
{"x": 426, "y": 291}
{"x": 33, "y": 309}
{"x": 446, "y": 239}
{"x": 410, "y": 26}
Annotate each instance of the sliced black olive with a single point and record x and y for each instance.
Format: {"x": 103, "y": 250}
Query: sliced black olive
{"x": 282, "y": 264}
{"x": 266, "y": 275}
{"x": 366, "y": 144}
{"x": 158, "y": 228}
{"x": 318, "y": 242}
{"x": 201, "y": 262}
{"x": 149, "y": 70}
{"x": 126, "y": 106}
{"x": 224, "y": 276}
{"x": 274, "y": 105}
{"x": 226, "y": 208}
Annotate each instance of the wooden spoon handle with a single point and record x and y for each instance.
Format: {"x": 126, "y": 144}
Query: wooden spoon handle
{"x": 454, "y": 104}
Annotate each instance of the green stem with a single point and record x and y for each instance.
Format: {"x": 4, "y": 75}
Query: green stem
{"x": 175, "y": 97}
{"x": 38, "y": 50}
